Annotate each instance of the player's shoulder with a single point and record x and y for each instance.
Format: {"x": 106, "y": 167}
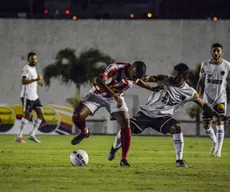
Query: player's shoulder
{"x": 26, "y": 66}
{"x": 188, "y": 88}
{"x": 226, "y": 62}
{"x": 206, "y": 62}
{"x": 123, "y": 65}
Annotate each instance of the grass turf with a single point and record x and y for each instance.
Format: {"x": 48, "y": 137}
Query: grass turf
{"x": 46, "y": 166}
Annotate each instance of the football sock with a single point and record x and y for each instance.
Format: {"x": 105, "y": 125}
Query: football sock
{"x": 125, "y": 141}
{"x": 36, "y": 126}
{"x": 211, "y": 135}
{"x": 219, "y": 136}
{"x": 24, "y": 122}
{"x": 117, "y": 140}
{"x": 80, "y": 124}
{"x": 178, "y": 141}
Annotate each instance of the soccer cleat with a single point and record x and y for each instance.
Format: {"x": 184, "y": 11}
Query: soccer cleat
{"x": 20, "y": 140}
{"x": 181, "y": 163}
{"x": 217, "y": 154}
{"x": 213, "y": 151}
{"x": 124, "y": 163}
{"x": 112, "y": 153}
{"x": 76, "y": 140}
{"x": 33, "y": 138}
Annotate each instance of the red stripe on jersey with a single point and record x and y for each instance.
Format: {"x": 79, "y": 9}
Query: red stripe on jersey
{"x": 118, "y": 82}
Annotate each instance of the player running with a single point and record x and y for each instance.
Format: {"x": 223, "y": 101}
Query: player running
{"x": 107, "y": 91}
{"x": 30, "y": 99}
{"x": 213, "y": 82}
{"x": 161, "y": 105}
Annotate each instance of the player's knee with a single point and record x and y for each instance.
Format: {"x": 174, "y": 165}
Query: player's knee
{"x": 177, "y": 128}
{"x": 219, "y": 122}
{"x": 77, "y": 117}
{"x": 207, "y": 124}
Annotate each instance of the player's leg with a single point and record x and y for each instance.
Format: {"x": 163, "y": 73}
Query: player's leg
{"x": 138, "y": 123}
{"x": 27, "y": 108}
{"x": 178, "y": 140}
{"x": 37, "y": 107}
{"x": 207, "y": 125}
{"x": 122, "y": 118}
{"x": 169, "y": 125}
{"x": 88, "y": 106}
{"x": 220, "y": 129}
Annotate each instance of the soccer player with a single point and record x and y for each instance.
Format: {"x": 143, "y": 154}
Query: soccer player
{"x": 212, "y": 82}
{"x": 161, "y": 105}
{"x": 107, "y": 91}
{"x": 30, "y": 99}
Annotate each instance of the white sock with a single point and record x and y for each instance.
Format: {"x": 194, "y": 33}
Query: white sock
{"x": 211, "y": 134}
{"x": 178, "y": 141}
{"x": 24, "y": 123}
{"x": 117, "y": 140}
{"x": 36, "y": 126}
{"x": 219, "y": 136}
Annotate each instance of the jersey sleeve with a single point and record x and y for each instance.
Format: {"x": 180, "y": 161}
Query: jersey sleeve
{"x": 193, "y": 96}
{"x": 109, "y": 71}
{"x": 202, "y": 71}
{"x": 25, "y": 72}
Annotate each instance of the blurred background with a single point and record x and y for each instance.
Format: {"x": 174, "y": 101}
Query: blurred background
{"x": 76, "y": 39}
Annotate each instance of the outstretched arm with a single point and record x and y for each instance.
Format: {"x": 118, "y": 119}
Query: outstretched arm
{"x": 154, "y": 79}
{"x": 200, "y": 86}
{"x": 207, "y": 108}
{"x": 144, "y": 85}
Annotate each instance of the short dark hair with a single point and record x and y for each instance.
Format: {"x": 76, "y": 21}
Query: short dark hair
{"x": 140, "y": 68}
{"x": 217, "y": 45}
{"x": 182, "y": 69}
{"x": 31, "y": 54}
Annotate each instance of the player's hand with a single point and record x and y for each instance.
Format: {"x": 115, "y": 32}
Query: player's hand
{"x": 39, "y": 77}
{"x": 40, "y": 83}
{"x": 118, "y": 99}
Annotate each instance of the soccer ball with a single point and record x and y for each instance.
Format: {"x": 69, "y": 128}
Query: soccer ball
{"x": 79, "y": 158}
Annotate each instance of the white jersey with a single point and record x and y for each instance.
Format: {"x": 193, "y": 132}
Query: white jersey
{"x": 215, "y": 81}
{"x": 29, "y": 91}
{"x": 167, "y": 101}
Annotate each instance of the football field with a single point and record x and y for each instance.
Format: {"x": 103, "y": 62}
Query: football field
{"x": 46, "y": 167}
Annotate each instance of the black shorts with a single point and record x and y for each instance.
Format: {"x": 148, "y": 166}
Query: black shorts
{"x": 220, "y": 108}
{"x": 140, "y": 122}
{"x": 29, "y": 105}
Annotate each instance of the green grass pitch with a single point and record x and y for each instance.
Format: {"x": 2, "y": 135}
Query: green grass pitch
{"x": 46, "y": 167}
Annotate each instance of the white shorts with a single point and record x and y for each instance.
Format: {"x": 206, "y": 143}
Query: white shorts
{"x": 94, "y": 102}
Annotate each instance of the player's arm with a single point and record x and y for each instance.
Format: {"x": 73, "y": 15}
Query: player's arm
{"x": 100, "y": 82}
{"x": 26, "y": 81}
{"x": 200, "y": 82}
{"x": 206, "y": 107}
{"x": 144, "y": 85}
{"x": 154, "y": 79}
{"x": 101, "y": 79}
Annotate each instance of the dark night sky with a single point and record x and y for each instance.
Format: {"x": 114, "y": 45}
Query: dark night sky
{"x": 188, "y": 9}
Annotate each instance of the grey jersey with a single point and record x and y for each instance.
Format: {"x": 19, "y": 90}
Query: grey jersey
{"x": 215, "y": 81}
{"x": 167, "y": 101}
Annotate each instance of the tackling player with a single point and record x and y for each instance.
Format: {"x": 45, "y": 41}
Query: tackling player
{"x": 212, "y": 82}
{"x": 30, "y": 99}
{"x": 107, "y": 91}
{"x": 161, "y": 105}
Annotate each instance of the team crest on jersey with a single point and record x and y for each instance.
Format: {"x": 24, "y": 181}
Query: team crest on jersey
{"x": 27, "y": 71}
{"x": 222, "y": 72}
